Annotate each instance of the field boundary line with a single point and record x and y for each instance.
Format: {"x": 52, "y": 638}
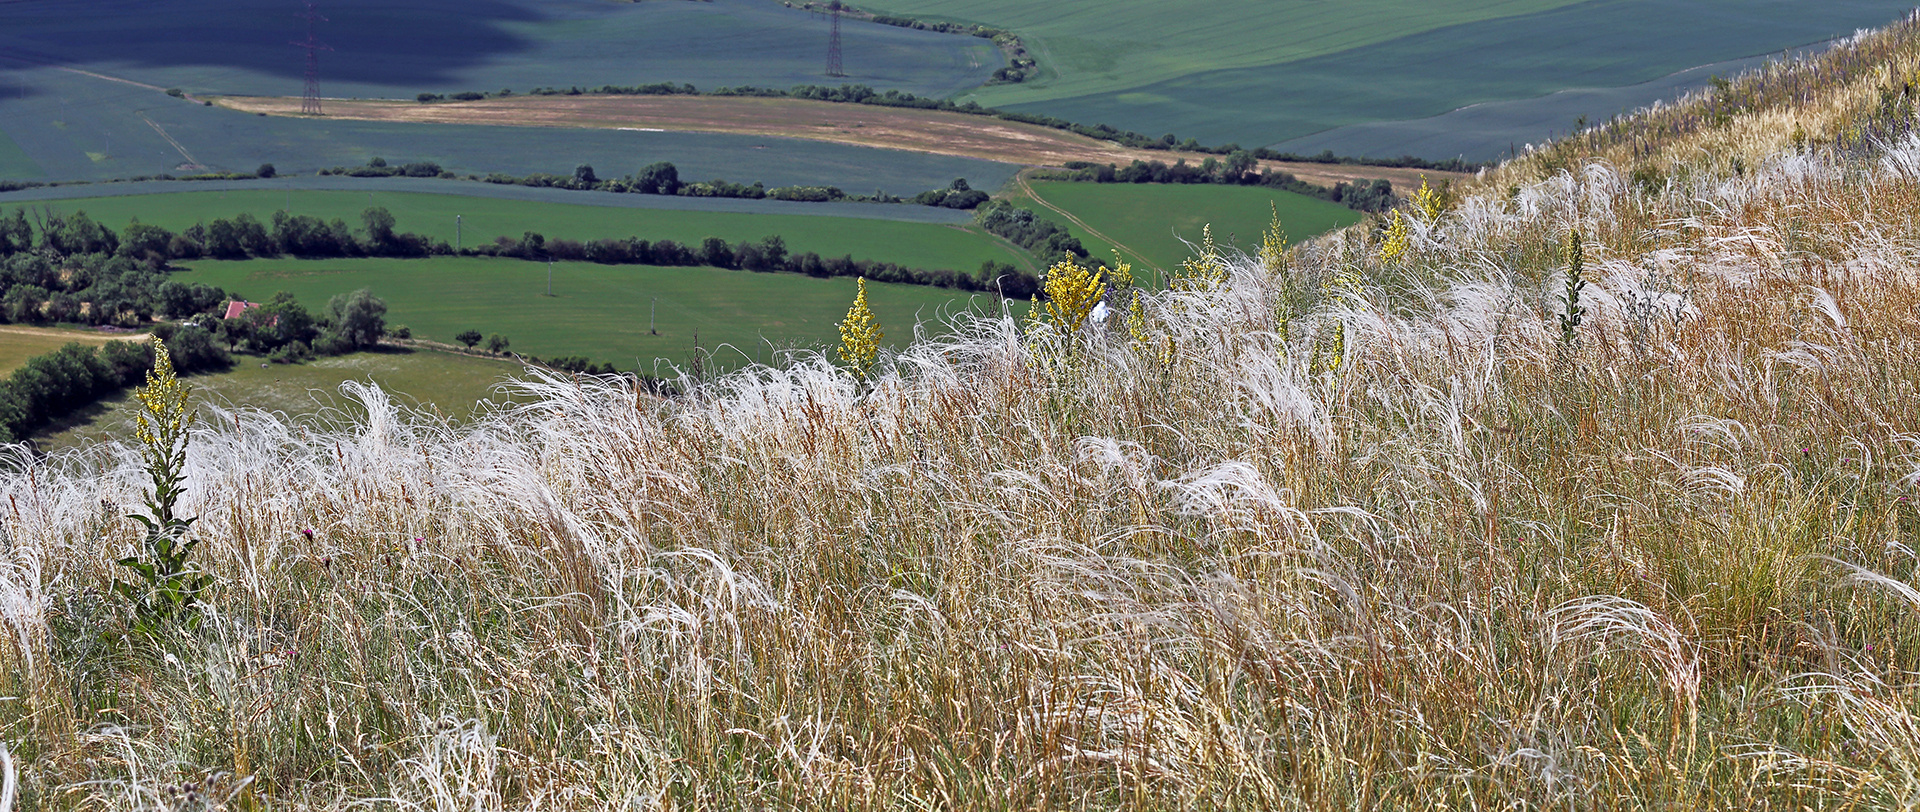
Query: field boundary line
{"x": 1026, "y": 188}
{"x": 191, "y": 163}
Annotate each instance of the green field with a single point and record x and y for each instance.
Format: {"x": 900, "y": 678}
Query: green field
{"x": 460, "y": 188}
{"x": 599, "y": 311}
{"x": 919, "y": 245}
{"x": 1262, "y": 71}
{"x": 454, "y": 385}
{"x": 1156, "y": 221}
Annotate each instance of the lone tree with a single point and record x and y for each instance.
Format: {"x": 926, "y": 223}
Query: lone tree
{"x": 358, "y": 317}
{"x": 496, "y": 343}
{"x": 469, "y": 338}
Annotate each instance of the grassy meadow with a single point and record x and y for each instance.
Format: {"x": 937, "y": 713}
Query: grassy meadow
{"x": 1160, "y": 224}
{"x": 1453, "y": 517}
{"x": 919, "y": 245}
{"x": 18, "y": 342}
{"x": 600, "y": 311}
{"x": 448, "y": 384}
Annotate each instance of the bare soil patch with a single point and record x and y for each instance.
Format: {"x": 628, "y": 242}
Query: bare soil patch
{"x": 930, "y": 131}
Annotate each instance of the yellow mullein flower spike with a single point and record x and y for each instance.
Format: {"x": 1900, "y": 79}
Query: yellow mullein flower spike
{"x": 860, "y": 335}
{"x": 1273, "y": 244}
{"x": 1205, "y": 271}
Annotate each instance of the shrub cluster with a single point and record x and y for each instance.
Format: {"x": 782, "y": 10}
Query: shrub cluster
{"x": 70, "y": 268}
{"x": 663, "y": 178}
{"x": 378, "y": 168}
{"x": 1403, "y": 162}
{"x": 59, "y": 268}
{"x": 1028, "y": 230}
{"x": 1376, "y": 196}
{"x": 958, "y": 195}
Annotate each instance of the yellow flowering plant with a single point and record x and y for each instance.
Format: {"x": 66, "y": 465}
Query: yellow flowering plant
{"x": 1073, "y": 291}
{"x": 1206, "y": 270}
{"x": 168, "y": 588}
{"x": 1273, "y": 244}
{"x": 1397, "y": 240}
{"x": 860, "y": 335}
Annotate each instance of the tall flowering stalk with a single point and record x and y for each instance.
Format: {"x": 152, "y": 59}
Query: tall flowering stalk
{"x": 860, "y": 335}
{"x": 168, "y": 587}
{"x": 1073, "y": 291}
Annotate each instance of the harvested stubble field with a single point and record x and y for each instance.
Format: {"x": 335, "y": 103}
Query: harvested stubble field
{"x": 894, "y": 128}
{"x": 1339, "y": 528}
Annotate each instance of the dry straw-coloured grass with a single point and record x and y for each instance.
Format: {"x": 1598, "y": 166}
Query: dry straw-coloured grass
{"x": 1336, "y": 533}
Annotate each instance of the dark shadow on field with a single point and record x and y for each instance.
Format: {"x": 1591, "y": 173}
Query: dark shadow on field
{"x": 256, "y": 35}
{"x": 397, "y": 50}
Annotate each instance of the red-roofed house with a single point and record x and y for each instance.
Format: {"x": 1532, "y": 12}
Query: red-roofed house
{"x": 235, "y": 308}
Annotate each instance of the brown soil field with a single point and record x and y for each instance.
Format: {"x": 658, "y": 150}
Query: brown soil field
{"x": 930, "y": 131}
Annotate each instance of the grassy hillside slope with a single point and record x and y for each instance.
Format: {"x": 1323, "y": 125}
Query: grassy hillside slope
{"x": 1367, "y": 524}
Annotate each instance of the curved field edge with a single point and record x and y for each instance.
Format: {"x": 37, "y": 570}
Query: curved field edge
{"x": 1266, "y": 76}
{"x": 1158, "y": 226}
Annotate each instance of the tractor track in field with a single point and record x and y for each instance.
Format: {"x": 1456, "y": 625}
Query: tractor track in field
{"x": 1020, "y": 180}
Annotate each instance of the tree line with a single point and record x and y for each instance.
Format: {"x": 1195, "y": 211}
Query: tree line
{"x": 150, "y": 247}
{"x": 663, "y": 178}
{"x": 1027, "y": 229}
{"x": 1236, "y": 170}
{"x": 766, "y": 255}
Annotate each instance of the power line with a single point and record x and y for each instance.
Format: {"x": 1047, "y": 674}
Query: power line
{"x": 833, "y": 41}
{"x": 310, "y": 101}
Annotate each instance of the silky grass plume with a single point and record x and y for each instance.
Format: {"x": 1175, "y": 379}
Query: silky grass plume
{"x": 860, "y": 335}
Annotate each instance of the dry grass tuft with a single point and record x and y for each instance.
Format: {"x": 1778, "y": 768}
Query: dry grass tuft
{"x": 1335, "y": 533}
